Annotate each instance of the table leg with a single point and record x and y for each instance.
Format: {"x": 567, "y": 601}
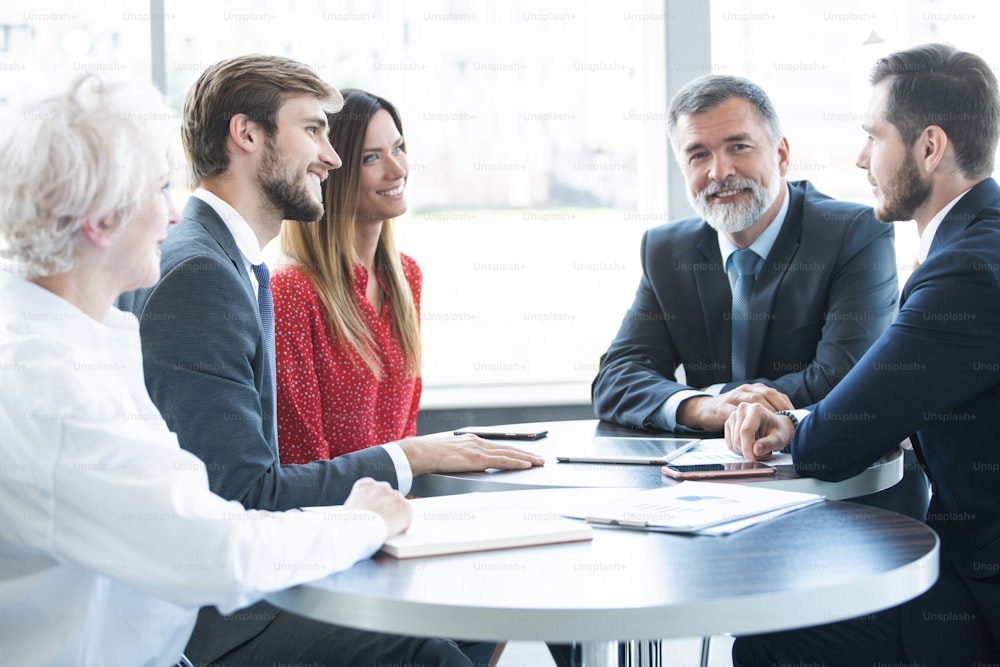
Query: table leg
{"x": 622, "y": 654}
{"x": 706, "y": 647}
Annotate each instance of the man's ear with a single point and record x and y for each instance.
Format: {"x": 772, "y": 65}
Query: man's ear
{"x": 930, "y": 148}
{"x": 246, "y": 134}
{"x": 784, "y": 156}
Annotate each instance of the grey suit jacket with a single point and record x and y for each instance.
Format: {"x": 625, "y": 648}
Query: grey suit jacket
{"x": 207, "y": 370}
{"x": 826, "y": 291}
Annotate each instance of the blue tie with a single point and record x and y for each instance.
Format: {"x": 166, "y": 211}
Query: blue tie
{"x": 745, "y": 261}
{"x": 267, "y": 320}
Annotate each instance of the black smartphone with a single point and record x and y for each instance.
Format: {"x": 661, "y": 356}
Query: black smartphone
{"x": 716, "y": 470}
{"x": 494, "y": 434}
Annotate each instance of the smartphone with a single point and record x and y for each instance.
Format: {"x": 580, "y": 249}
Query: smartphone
{"x": 485, "y": 432}
{"x": 716, "y": 470}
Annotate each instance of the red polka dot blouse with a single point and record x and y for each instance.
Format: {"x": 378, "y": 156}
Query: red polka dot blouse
{"x": 329, "y": 403}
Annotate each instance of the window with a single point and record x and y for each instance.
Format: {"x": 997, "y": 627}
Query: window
{"x": 535, "y": 134}
{"x": 814, "y": 61}
{"x": 50, "y": 40}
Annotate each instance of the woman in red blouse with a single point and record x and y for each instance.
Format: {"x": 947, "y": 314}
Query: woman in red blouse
{"x": 347, "y": 322}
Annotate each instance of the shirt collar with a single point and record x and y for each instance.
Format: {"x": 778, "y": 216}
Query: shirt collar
{"x": 39, "y": 307}
{"x": 762, "y": 244}
{"x": 931, "y": 229}
{"x": 237, "y": 225}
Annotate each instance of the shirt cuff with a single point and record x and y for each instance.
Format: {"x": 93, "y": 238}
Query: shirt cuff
{"x": 714, "y": 389}
{"x": 800, "y": 414}
{"x": 666, "y": 416}
{"x": 404, "y": 474}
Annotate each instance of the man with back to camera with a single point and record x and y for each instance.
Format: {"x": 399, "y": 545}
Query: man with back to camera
{"x": 255, "y": 134}
{"x": 932, "y": 125}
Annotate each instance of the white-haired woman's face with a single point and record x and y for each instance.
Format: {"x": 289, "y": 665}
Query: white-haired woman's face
{"x": 134, "y": 256}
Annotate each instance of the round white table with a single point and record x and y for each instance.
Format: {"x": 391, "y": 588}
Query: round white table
{"x": 825, "y": 563}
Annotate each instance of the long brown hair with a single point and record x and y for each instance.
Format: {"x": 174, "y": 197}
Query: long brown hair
{"x": 324, "y": 251}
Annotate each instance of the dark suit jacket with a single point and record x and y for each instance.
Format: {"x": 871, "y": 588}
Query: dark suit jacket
{"x": 825, "y": 292}
{"x": 207, "y": 371}
{"x": 935, "y": 372}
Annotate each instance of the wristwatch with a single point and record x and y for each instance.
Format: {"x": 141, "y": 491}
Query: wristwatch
{"x": 795, "y": 422}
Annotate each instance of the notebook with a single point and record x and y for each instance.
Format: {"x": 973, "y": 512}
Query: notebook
{"x": 645, "y": 451}
{"x": 460, "y": 523}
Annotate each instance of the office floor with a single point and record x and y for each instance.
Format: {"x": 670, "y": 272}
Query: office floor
{"x": 677, "y": 652}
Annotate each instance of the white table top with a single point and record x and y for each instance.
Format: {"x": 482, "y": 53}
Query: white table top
{"x": 817, "y": 565}
{"x": 566, "y": 435}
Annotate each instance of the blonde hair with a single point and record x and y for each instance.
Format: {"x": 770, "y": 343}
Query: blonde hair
{"x": 324, "y": 251}
{"x": 88, "y": 153}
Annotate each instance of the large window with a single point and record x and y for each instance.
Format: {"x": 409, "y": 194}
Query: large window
{"x": 536, "y": 133}
{"x": 535, "y": 137}
{"x": 814, "y": 60}
{"x": 51, "y": 40}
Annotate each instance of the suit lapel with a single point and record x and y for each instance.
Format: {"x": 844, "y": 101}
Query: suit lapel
{"x": 198, "y": 212}
{"x": 772, "y": 272}
{"x": 969, "y": 208}
{"x": 716, "y": 299}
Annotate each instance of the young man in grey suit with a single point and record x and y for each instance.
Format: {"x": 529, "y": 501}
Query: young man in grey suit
{"x": 255, "y": 133}
{"x": 821, "y": 285}
{"x": 933, "y": 124}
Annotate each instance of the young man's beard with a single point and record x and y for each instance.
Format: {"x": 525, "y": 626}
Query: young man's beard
{"x": 287, "y": 194}
{"x": 904, "y": 193}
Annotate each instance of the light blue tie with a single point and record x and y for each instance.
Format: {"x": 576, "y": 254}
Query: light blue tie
{"x": 266, "y": 306}
{"x": 745, "y": 262}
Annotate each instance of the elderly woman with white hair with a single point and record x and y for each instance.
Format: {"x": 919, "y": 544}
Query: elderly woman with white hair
{"x": 110, "y": 539}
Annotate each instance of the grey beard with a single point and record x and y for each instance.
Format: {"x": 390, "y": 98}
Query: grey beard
{"x": 733, "y": 218}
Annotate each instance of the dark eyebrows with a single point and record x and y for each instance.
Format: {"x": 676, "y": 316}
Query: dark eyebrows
{"x": 739, "y": 138}
{"x": 399, "y": 142}
{"x": 742, "y": 137}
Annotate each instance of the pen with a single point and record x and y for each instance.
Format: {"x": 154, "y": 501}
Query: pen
{"x": 677, "y": 452}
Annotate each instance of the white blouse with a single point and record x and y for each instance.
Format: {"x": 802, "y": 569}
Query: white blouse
{"x": 110, "y": 538}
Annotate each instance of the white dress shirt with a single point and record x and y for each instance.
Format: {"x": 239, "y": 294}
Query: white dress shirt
{"x": 249, "y": 247}
{"x": 110, "y": 539}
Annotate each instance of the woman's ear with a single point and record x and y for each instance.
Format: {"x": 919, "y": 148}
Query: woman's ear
{"x": 98, "y": 232}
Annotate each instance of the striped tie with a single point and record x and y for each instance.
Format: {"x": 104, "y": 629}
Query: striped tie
{"x": 745, "y": 261}
{"x": 267, "y": 320}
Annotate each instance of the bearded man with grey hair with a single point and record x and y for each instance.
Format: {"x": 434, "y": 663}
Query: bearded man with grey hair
{"x": 769, "y": 297}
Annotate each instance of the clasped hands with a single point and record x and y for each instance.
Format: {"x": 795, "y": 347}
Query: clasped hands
{"x": 746, "y": 414}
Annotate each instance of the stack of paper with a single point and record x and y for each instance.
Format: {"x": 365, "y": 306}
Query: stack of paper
{"x": 705, "y": 508}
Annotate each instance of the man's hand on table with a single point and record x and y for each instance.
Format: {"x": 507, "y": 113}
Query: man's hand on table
{"x": 463, "y": 453}
{"x": 755, "y": 432}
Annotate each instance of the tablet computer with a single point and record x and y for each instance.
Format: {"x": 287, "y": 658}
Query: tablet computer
{"x": 643, "y": 451}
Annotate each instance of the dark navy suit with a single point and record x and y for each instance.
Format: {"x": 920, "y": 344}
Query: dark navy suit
{"x": 934, "y": 373}
{"x": 825, "y": 292}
